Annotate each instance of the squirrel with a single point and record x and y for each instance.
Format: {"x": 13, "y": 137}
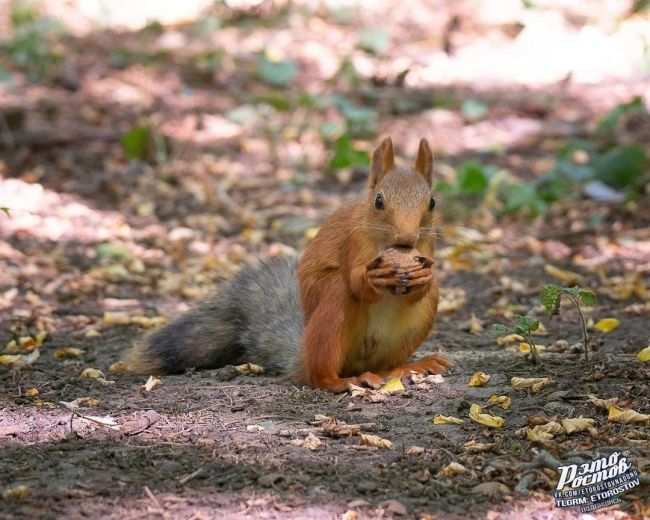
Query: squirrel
{"x": 344, "y": 314}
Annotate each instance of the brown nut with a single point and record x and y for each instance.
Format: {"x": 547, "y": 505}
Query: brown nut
{"x": 401, "y": 258}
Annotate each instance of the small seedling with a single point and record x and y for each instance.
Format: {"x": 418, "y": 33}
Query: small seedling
{"x": 550, "y": 297}
{"x": 524, "y": 326}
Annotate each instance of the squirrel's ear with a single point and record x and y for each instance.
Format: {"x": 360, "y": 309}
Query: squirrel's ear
{"x": 382, "y": 161}
{"x": 424, "y": 162}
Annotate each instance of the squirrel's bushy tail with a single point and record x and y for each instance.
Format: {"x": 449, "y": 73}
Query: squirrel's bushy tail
{"x": 256, "y": 317}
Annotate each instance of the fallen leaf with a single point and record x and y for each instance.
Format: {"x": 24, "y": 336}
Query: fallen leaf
{"x": 447, "y": 419}
{"x": 451, "y": 300}
{"x": 479, "y": 379}
{"x": 607, "y": 324}
{"x": 254, "y": 428}
{"x": 567, "y": 277}
{"x": 32, "y": 392}
{"x": 19, "y": 361}
{"x": 374, "y": 440}
{"x": 26, "y": 343}
{"x": 414, "y": 450}
{"x": 395, "y": 507}
{"x": 644, "y": 355}
{"x": 151, "y": 384}
{"x": 475, "y": 325}
{"x": 92, "y": 333}
{"x": 493, "y": 421}
{"x": 368, "y": 394}
{"x": 626, "y": 416}
{"x": 349, "y": 515}
{"x": 17, "y": 493}
{"x": 492, "y": 489}
{"x": 91, "y": 373}
{"x": 478, "y": 446}
{"x": 577, "y": 424}
{"x": 534, "y": 383}
{"x": 117, "y": 318}
{"x": 68, "y": 352}
{"x": 392, "y": 386}
{"x": 510, "y": 338}
{"x": 501, "y": 400}
{"x": 602, "y": 403}
{"x": 81, "y": 402}
{"x": 451, "y": 469}
{"x": 311, "y": 442}
{"x": 248, "y": 369}
{"x": 544, "y": 432}
{"x": 525, "y": 347}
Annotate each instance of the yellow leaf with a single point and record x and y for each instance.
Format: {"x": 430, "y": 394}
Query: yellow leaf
{"x": 525, "y": 347}
{"x": 568, "y": 277}
{"x": 510, "y": 338}
{"x": 451, "y": 300}
{"x": 151, "y": 384}
{"x": 644, "y": 355}
{"x": 68, "y": 352}
{"x": 17, "y": 493}
{"x": 577, "y": 424}
{"x": 475, "y": 326}
{"x": 534, "y": 383}
{"x": 502, "y": 400}
{"x": 447, "y": 419}
{"x": 602, "y": 403}
{"x": 607, "y": 324}
{"x": 32, "y": 392}
{"x": 626, "y": 416}
{"x": 91, "y": 373}
{"x": 479, "y": 379}
{"x": 451, "y": 469}
{"x": 493, "y": 421}
{"x": 544, "y": 432}
{"x": 248, "y": 369}
{"x": 18, "y": 361}
{"x": 392, "y": 386}
{"x": 478, "y": 446}
{"x": 374, "y": 440}
{"x": 117, "y": 318}
{"x": 92, "y": 333}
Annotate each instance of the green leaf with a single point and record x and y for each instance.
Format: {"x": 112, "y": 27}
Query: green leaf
{"x": 136, "y": 142}
{"x": 276, "y": 73}
{"x": 472, "y": 179}
{"x": 550, "y": 297}
{"x": 373, "y": 40}
{"x": 609, "y": 121}
{"x": 640, "y": 5}
{"x": 109, "y": 250}
{"x": 523, "y": 197}
{"x": 5, "y": 210}
{"x": 346, "y": 156}
{"x": 588, "y": 298}
{"x": 620, "y": 167}
{"x": 574, "y": 291}
{"x": 499, "y": 329}
{"x": 526, "y": 324}
{"x": 473, "y": 109}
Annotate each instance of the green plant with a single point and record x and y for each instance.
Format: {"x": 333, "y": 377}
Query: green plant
{"x": 550, "y": 297}
{"x": 524, "y": 326}
{"x": 347, "y": 156}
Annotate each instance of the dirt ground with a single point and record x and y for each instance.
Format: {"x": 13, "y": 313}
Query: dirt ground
{"x": 90, "y": 232}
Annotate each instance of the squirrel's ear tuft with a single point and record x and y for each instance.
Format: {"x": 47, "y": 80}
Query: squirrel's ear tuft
{"x": 382, "y": 161}
{"x": 424, "y": 161}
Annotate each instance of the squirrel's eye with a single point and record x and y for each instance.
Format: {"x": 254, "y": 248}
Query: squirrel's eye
{"x": 379, "y": 201}
{"x": 432, "y": 203}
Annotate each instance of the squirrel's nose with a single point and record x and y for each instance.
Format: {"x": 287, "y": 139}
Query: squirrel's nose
{"x": 406, "y": 240}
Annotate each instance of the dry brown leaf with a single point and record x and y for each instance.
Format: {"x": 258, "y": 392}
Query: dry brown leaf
{"x": 368, "y": 394}
{"x": 80, "y": 402}
{"x": 16, "y": 493}
{"x": 310, "y": 442}
{"x": 451, "y": 300}
{"x": 566, "y": 277}
{"x": 68, "y": 352}
{"x": 534, "y": 383}
{"x": 32, "y": 392}
{"x": 626, "y": 416}
{"x": 577, "y": 424}
{"x": 374, "y": 440}
{"x": 475, "y": 325}
{"x": 254, "y": 428}
{"x": 151, "y": 384}
{"x": 20, "y": 361}
{"x": 510, "y": 338}
{"x": 478, "y": 446}
{"x": 602, "y": 403}
{"x": 414, "y": 450}
{"x": 451, "y": 469}
{"x": 91, "y": 373}
{"x": 248, "y": 369}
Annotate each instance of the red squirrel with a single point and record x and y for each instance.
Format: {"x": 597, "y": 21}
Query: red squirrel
{"x": 363, "y": 299}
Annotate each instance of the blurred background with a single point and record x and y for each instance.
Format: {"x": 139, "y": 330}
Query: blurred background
{"x": 192, "y": 134}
